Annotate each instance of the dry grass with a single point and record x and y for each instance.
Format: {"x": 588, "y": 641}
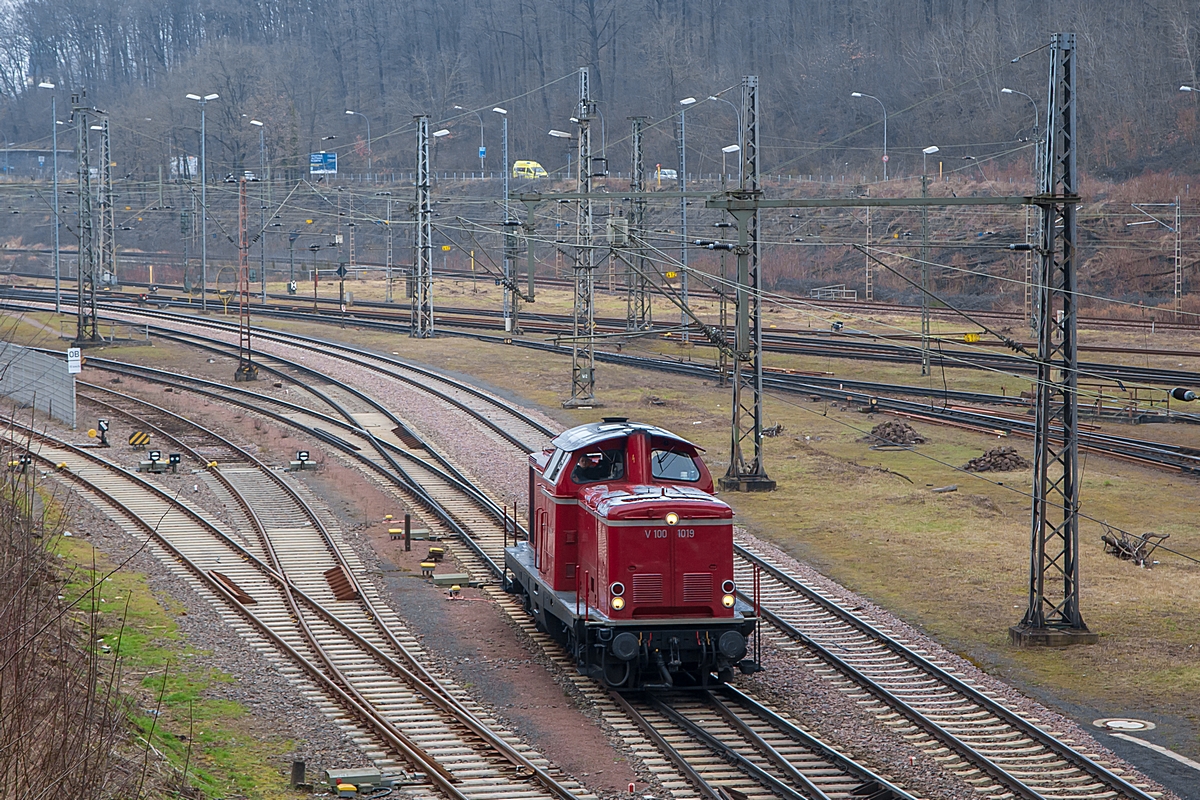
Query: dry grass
{"x": 954, "y": 564}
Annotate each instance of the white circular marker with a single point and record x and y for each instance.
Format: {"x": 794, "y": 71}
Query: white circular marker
{"x": 1124, "y": 724}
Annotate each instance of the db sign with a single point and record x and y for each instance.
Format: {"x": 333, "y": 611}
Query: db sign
{"x": 74, "y": 361}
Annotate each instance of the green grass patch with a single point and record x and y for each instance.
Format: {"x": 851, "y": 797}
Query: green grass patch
{"x": 227, "y": 751}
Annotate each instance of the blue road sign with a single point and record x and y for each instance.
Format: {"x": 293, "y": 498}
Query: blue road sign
{"x": 322, "y": 163}
{"x": 482, "y": 151}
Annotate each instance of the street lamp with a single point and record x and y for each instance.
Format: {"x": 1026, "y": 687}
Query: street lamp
{"x": 503, "y": 112}
{"x": 877, "y": 100}
{"x": 364, "y": 116}
{"x": 725, "y": 151}
{"x": 203, "y": 101}
{"x": 564, "y": 135}
{"x": 482, "y": 146}
{"x": 683, "y": 242}
{"x": 741, "y": 134}
{"x": 54, "y": 144}
{"x": 262, "y": 242}
{"x": 1037, "y": 142}
{"x": 926, "y": 153}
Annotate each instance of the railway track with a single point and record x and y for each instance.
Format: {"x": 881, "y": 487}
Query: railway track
{"x": 648, "y": 742}
{"x": 1159, "y": 319}
{"x": 726, "y": 740}
{"x": 946, "y": 353}
{"x": 975, "y": 735}
{"x": 290, "y": 588}
{"x": 450, "y": 507}
{"x": 969, "y": 743}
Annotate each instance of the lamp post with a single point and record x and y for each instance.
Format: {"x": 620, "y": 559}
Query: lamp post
{"x": 741, "y": 134}
{"x": 725, "y": 151}
{"x": 683, "y": 242}
{"x": 1037, "y": 142}
{"x": 203, "y": 101}
{"x": 54, "y": 144}
{"x": 482, "y": 146}
{"x": 564, "y": 135}
{"x": 364, "y": 116}
{"x": 877, "y": 100}
{"x": 925, "y": 154}
{"x": 262, "y": 240}
{"x": 437, "y": 135}
{"x": 504, "y": 115}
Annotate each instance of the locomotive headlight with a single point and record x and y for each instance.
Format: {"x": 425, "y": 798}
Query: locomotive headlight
{"x": 727, "y": 601}
{"x": 617, "y": 603}
{"x": 672, "y": 518}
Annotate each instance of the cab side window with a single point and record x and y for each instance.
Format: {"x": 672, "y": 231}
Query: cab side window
{"x": 555, "y": 465}
{"x": 593, "y": 466}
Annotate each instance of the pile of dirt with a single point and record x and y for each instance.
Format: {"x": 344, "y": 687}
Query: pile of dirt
{"x": 894, "y": 433}
{"x": 998, "y": 459}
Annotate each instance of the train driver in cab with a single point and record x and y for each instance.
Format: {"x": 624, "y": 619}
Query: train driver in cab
{"x": 599, "y": 465}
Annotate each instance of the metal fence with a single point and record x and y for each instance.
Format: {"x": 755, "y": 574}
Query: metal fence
{"x": 35, "y": 379}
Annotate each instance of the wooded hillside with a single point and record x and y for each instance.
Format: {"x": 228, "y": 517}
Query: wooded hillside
{"x": 937, "y": 65}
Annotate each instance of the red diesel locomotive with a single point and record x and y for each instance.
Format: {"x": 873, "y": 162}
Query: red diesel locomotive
{"x": 630, "y": 559}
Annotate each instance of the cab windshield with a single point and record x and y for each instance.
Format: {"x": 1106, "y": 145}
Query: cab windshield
{"x": 597, "y": 465}
{"x": 673, "y": 465}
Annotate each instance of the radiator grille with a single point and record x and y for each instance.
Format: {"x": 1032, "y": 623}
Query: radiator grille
{"x": 697, "y": 587}
{"x": 648, "y": 588}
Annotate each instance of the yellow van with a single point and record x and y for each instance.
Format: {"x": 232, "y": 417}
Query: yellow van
{"x": 528, "y": 169}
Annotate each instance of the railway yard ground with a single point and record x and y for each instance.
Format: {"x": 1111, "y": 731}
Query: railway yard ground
{"x": 952, "y": 564}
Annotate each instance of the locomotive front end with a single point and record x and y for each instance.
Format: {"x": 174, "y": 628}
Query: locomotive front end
{"x": 672, "y": 615}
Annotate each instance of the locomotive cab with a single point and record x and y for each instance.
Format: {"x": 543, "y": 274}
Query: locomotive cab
{"x": 629, "y": 562}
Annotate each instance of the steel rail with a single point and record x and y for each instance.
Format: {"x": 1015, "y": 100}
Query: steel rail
{"x": 920, "y": 662}
{"x": 837, "y": 758}
{"x": 253, "y": 401}
{"x": 857, "y": 306}
{"x": 424, "y": 682}
{"x": 730, "y": 755}
{"x": 349, "y": 699}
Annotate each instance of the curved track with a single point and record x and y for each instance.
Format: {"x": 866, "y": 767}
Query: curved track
{"x": 290, "y": 584}
{"x": 974, "y": 742}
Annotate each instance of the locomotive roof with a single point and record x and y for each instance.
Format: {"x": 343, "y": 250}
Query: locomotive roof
{"x": 593, "y": 432}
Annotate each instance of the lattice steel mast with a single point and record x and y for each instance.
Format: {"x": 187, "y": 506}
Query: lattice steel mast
{"x": 746, "y": 468}
{"x": 107, "y": 247}
{"x": 1053, "y": 616}
{"x": 638, "y": 313}
{"x": 583, "y": 331}
{"x": 421, "y": 324}
{"x": 247, "y": 370}
{"x": 85, "y": 329}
